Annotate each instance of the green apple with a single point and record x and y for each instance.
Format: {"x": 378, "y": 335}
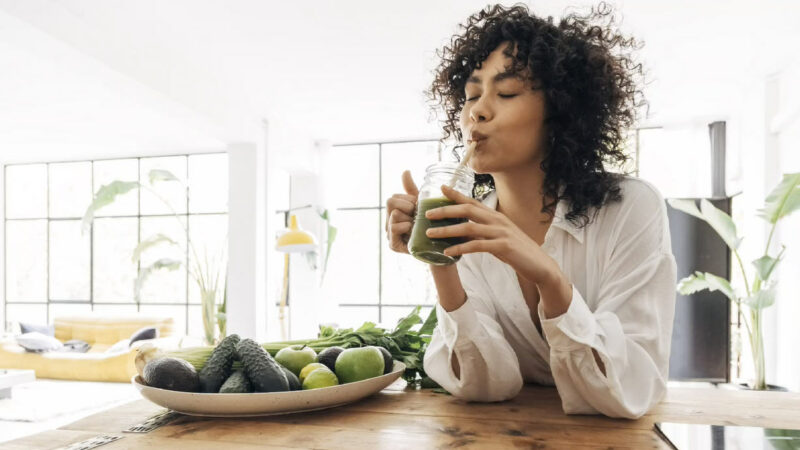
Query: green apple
{"x": 356, "y": 364}
{"x": 319, "y": 378}
{"x": 295, "y": 357}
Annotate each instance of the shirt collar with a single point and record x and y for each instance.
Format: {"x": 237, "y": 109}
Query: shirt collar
{"x": 559, "y": 221}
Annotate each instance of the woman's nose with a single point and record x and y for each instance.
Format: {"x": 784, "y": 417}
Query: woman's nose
{"x": 479, "y": 112}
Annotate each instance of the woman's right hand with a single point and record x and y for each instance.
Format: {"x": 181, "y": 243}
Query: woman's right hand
{"x": 400, "y": 210}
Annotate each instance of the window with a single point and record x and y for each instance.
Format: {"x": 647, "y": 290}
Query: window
{"x": 53, "y": 268}
{"x": 365, "y": 278}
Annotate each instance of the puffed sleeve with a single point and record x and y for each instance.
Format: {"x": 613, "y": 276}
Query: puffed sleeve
{"x": 489, "y": 368}
{"x": 631, "y": 326}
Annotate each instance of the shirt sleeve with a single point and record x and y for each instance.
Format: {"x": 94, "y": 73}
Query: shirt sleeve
{"x": 631, "y": 326}
{"x": 489, "y": 368}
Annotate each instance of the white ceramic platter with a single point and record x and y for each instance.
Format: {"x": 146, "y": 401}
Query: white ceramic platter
{"x": 266, "y": 403}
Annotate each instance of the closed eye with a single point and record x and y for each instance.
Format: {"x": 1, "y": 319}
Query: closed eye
{"x": 500, "y": 95}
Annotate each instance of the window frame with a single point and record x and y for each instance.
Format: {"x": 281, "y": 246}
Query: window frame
{"x": 186, "y": 304}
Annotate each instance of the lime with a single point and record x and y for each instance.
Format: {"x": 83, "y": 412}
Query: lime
{"x": 307, "y": 370}
{"x": 319, "y": 378}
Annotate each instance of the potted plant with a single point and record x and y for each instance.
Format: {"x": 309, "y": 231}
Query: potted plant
{"x": 782, "y": 201}
{"x": 207, "y": 274}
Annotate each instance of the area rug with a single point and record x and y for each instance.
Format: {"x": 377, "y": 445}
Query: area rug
{"x": 47, "y": 399}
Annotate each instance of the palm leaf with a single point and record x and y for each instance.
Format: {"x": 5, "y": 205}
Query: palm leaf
{"x": 783, "y": 200}
{"x": 687, "y": 206}
{"x": 150, "y": 242}
{"x": 721, "y": 223}
{"x": 705, "y": 280}
{"x": 104, "y": 197}
{"x": 761, "y": 299}
{"x": 161, "y": 175}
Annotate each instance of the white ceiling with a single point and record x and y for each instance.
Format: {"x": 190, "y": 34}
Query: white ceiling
{"x": 154, "y": 76}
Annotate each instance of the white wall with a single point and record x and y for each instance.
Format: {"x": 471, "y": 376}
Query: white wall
{"x": 786, "y": 129}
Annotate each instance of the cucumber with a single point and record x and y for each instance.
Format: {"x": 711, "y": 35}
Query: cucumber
{"x": 237, "y": 383}
{"x": 265, "y": 374}
{"x": 219, "y": 365}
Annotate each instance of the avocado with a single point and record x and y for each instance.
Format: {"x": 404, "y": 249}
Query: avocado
{"x": 218, "y": 366}
{"x": 294, "y": 382}
{"x": 237, "y": 383}
{"x": 388, "y": 362}
{"x": 265, "y": 374}
{"x": 328, "y": 356}
{"x": 171, "y": 373}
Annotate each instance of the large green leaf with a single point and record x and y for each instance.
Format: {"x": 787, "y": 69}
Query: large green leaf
{"x": 150, "y": 242}
{"x": 687, "y": 206}
{"x": 721, "y": 223}
{"x": 761, "y": 299}
{"x": 705, "y": 280}
{"x": 429, "y": 325}
{"x": 144, "y": 273}
{"x": 161, "y": 175}
{"x": 766, "y": 264}
{"x": 104, "y": 197}
{"x": 783, "y": 200}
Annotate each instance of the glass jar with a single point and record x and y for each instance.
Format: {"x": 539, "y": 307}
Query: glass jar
{"x": 420, "y": 245}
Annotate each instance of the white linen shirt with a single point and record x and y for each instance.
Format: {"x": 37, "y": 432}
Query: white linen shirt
{"x": 623, "y": 277}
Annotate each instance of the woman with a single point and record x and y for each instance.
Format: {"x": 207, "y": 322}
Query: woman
{"x": 545, "y": 293}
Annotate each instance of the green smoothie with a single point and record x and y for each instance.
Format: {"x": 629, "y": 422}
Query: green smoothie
{"x": 430, "y": 250}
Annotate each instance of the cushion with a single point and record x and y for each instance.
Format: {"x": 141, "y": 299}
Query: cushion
{"x": 121, "y": 346}
{"x": 143, "y": 333}
{"x": 37, "y": 342}
{"x": 47, "y": 330}
{"x": 76, "y": 345}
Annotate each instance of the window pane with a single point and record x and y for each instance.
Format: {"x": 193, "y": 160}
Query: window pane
{"x": 69, "y": 261}
{"x": 208, "y": 236}
{"x": 173, "y": 192}
{"x": 66, "y": 309}
{"x": 355, "y": 316}
{"x": 164, "y": 286}
{"x": 26, "y": 260}
{"x": 404, "y": 279}
{"x": 116, "y": 309}
{"x": 390, "y": 315}
{"x": 177, "y": 312}
{"x": 352, "y": 275}
{"x": 105, "y": 172}
{"x": 196, "y": 322}
{"x": 355, "y": 176}
{"x": 114, "y": 272}
{"x": 26, "y": 191}
{"x": 35, "y": 314}
{"x": 397, "y": 158}
{"x": 70, "y": 189}
{"x": 208, "y": 183}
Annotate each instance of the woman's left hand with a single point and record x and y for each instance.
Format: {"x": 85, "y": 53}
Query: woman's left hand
{"x": 490, "y": 231}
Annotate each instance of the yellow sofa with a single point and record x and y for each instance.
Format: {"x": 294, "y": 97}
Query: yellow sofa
{"x": 101, "y": 331}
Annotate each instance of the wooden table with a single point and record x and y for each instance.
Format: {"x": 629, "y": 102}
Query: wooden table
{"x": 401, "y": 418}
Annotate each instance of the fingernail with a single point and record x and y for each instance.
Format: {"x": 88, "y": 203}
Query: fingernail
{"x": 428, "y": 213}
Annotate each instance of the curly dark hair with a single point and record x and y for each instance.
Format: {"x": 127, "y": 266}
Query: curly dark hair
{"x": 590, "y": 83}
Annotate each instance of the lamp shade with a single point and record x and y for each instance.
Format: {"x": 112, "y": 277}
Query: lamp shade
{"x": 295, "y": 240}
